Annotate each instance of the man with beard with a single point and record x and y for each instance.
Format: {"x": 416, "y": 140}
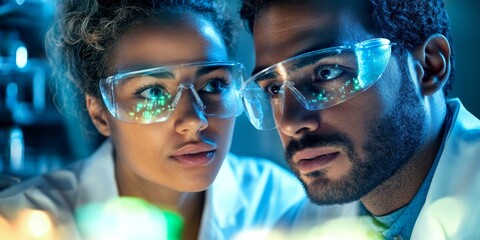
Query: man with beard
{"x": 357, "y": 91}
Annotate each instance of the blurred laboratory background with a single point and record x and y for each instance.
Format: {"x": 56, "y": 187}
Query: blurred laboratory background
{"x": 35, "y": 137}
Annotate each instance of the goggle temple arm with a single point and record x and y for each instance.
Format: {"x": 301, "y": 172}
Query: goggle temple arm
{"x": 197, "y": 98}
{"x": 297, "y": 94}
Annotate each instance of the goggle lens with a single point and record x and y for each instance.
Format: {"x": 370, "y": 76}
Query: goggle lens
{"x": 318, "y": 80}
{"x": 151, "y": 95}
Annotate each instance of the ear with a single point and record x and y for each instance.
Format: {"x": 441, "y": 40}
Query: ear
{"x": 433, "y": 57}
{"x": 97, "y": 114}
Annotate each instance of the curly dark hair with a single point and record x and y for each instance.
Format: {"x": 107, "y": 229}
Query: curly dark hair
{"x": 81, "y": 39}
{"x": 407, "y": 23}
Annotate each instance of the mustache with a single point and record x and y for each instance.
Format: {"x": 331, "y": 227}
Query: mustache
{"x": 314, "y": 140}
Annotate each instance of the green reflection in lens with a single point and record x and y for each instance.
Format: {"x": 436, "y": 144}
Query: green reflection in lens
{"x": 150, "y": 109}
{"x": 324, "y": 96}
{"x": 356, "y": 86}
{"x": 320, "y": 96}
{"x": 342, "y": 91}
{"x": 139, "y": 106}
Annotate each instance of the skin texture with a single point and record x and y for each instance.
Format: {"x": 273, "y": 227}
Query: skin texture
{"x": 143, "y": 152}
{"x": 381, "y": 143}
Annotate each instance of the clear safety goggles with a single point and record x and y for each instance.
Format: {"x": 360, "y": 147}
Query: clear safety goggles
{"x": 151, "y": 95}
{"x": 317, "y": 79}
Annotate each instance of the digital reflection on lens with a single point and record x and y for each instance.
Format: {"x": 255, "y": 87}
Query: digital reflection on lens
{"x": 348, "y": 89}
{"x": 150, "y": 109}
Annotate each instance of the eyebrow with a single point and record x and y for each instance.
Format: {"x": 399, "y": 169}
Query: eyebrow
{"x": 309, "y": 61}
{"x": 315, "y": 47}
{"x": 163, "y": 75}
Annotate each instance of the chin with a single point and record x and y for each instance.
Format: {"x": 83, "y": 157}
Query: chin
{"x": 195, "y": 185}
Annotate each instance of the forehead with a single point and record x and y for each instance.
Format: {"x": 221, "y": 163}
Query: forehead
{"x": 282, "y": 31}
{"x": 188, "y": 39}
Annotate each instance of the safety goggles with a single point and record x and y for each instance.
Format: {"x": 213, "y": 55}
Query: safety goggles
{"x": 151, "y": 95}
{"x": 317, "y": 79}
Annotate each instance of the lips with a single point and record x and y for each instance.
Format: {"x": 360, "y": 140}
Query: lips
{"x": 314, "y": 159}
{"x": 194, "y": 154}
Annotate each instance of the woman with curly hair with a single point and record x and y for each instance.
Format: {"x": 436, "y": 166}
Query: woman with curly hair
{"x": 157, "y": 81}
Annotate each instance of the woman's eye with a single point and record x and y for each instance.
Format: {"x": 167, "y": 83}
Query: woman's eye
{"x": 328, "y": 73}
{"x": 215, "y": 85}
{"x": 154, "y": 93}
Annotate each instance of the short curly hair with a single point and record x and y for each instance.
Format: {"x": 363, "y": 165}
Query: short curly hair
{"x": 83, "y": 34}
{"x": 408, "y": 23}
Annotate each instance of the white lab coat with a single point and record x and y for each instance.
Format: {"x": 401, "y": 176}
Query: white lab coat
{"x": 248, "y": 193}
{"x": 452, "y": 206}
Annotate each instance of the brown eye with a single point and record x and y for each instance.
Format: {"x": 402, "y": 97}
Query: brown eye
{"x": 328, "y": 73}
{"x": 273, "y": 89}
{"x": 215, "y": 86}
{"x": 153, "y": 93}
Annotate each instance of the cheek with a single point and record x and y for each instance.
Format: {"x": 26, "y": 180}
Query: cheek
{"x": 133, "y": 141}
{"x": 356, "y": 117}
{"x": 387, "y": 90}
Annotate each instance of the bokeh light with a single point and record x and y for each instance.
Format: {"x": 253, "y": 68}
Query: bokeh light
{"x": 39, "y": 224}
{"x": 127, "y": 218}
{"x": 33, "y": 225}
{"x": 21, "y": 57}
{"x": 346, "y": 228}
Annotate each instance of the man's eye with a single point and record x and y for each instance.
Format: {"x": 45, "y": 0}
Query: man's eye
{"x": 328, "y": 73}
{"x": 154, "y": 93}
{"x": 273, "y": 89}
{"x": 215, "y": 85}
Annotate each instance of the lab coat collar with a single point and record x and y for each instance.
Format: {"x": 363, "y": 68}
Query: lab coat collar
{"x": 224, "y": 200}
{"x": 454, "y": 187}
{"x": 97, "y": 181}
{"x": 464, "y": 130}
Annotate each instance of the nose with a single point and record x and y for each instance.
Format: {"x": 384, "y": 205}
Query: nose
{"x": 295, "y": 120}
{"x": 188, "y": 117}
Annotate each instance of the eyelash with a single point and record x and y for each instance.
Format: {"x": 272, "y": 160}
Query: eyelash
{"x": 139, "y": 91}
{"x": 220, "y": 79}
{"x": 269, "y": 84}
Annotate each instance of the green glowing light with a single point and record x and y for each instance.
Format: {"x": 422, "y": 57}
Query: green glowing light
{"x": 150, "y": 106}
{"x": 342, "y": 90}
{"x": 128, "y": 218}
{"x": 321, "y": 96}
{"x": 356, "y": 85}
{"x": 150, "y": 109}
{"x": 147, "y": 115}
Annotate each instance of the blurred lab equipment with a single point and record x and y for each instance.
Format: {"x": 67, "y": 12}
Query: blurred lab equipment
{"x": 34, "y": 136}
